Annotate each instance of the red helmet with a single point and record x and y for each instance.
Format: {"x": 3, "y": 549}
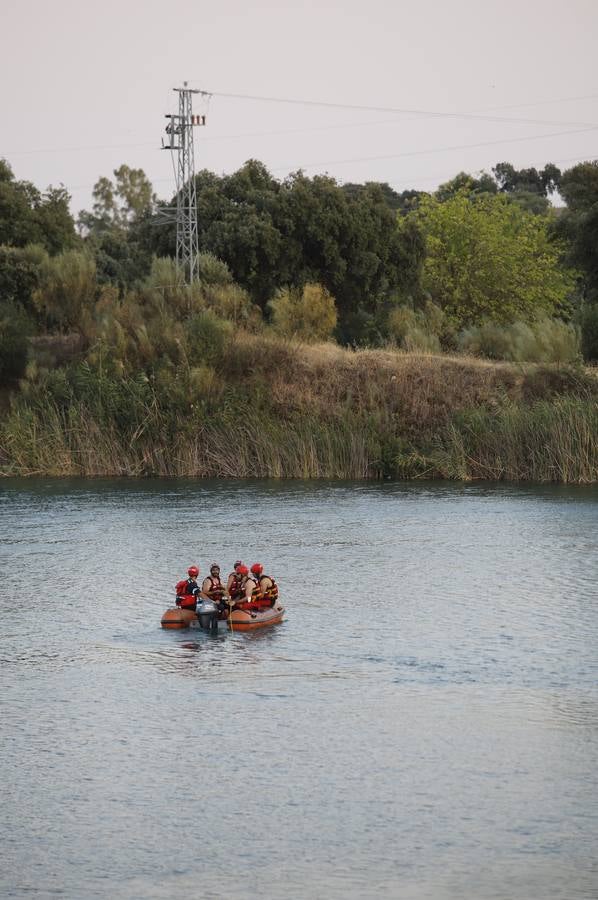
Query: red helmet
{"x": 242, "y": 570}
{"x": 193, "y": 571}
{"x": 257, "y": 568}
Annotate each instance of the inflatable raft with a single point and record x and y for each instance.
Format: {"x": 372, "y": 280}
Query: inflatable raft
{"x": 250, "y": 620}
{"x": 176, "y": 618}
{"x": 209, "y": 619}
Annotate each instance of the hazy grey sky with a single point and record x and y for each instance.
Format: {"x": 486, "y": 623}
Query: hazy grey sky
{"x": 85, "y": 86}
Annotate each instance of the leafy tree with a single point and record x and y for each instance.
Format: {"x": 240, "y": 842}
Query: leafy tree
{"x": 527, "y": 187}
{"x": 579, "y": 222}
{"x": 55, "y": 224}
{"x": 510, "y": 180}
{"x": 28, "y": 216}
{"x": 273, "y": 235}
{"x": 120, "y": 258}
{"x": 116, "y": 228}
{"x": 488, "y": 259}
{"x": 17, "y": 224}
{"x": 464, "y": 182}
{"x": 20, "y": 274}
{"x": 353, "y": 247}
{"x": 409, "y": 200}
{"x": 236, "y": 224}
{"x": 392, "y": 198}
{"x": 120, "y": 203}
{"x": 531, "y": 202}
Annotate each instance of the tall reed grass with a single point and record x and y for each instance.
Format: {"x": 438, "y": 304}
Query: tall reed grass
{"x": 263, "y": 407}
{"x": 549, "y": 441}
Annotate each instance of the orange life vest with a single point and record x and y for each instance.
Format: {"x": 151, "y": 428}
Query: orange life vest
{"x": 216, "y": 592}
{"x": 270, "y": 593}
{"x": 236, "y": 591}
{"x": 259, "y": 599}
{"x": 255, "y": 602}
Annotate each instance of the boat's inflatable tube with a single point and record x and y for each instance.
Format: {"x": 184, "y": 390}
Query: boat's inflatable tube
{"x": 237, "y": 620}
{"x": 178, "y": 618}
{"x": 250, "y": 620}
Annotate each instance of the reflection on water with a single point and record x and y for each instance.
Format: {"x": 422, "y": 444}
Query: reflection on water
{"x": 424, "y": 724}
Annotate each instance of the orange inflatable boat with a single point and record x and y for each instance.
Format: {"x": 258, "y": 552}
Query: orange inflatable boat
{"x": 249, "y": 620}
{"x": 176, "y": 618}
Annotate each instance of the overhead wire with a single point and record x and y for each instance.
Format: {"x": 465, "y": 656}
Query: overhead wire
{"x": 405, "y": 179}
{"x": 419, "y": 113}
{"x": 406, "y": 153}
{"x": 510, "y": 140}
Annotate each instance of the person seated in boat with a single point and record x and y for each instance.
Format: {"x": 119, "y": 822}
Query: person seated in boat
{"x": 234, "y": 583}
{"x": 212, "y": 588}
{"x": 243, "y": 589}
{"x": 253, "y": 599}
{"x": 267, "y": 593}
{"x": 188, "y": 590}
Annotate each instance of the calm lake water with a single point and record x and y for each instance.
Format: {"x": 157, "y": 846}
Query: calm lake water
{"x": 423, "y": 726}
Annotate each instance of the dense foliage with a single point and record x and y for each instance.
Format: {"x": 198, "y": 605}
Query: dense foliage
{"x": 124, "y": 367}
{"x": 287, "y": 234}
{"x": 489, "y": 259}
{"x": 28, "y": 216}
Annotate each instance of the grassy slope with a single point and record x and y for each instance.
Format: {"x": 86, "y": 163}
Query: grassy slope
{"x": 283, "y": 409}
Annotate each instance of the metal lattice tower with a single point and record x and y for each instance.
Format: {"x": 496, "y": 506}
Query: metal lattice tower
{"x": 180, "y": 132}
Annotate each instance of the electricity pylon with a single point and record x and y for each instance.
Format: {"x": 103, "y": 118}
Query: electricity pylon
{"x": 180, "y": 133}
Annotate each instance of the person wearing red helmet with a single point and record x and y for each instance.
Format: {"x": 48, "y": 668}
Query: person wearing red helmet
{"x": 255, "y": 597}
{"x": 267, "y": 593}
{"x": 188, "y": 589}
{"x": 234, "y": 583}
{"x": 243, "y": 588}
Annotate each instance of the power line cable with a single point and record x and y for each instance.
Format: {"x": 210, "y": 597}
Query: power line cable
{"x": 448, "y": 175}
{"x": 419, "y": 113}
{"x": 510, "y": 140}
{"x": 407, "y": 153}
{"x": 210, "y": 138}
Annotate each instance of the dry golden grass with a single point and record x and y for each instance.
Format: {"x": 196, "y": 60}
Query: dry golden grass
{"x": 321, "y": 411}
{"x": 422, "y": 390}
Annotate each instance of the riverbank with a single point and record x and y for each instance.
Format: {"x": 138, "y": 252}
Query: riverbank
{"x": 272, "y": 408}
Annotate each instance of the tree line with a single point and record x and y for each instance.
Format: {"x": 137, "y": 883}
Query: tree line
{"x": 459, "y": 268}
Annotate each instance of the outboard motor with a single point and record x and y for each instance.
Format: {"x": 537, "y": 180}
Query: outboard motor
{"x": 207, "y": 615}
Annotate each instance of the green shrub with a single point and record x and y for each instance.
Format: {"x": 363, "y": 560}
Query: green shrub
{"x": 547, "y": 340}
{"x": 229, "y": 301}
{"x": 418, "y": 340}
{"x": 15, "y": 329}
{"x": 67, "y": 289}
{"x": 309, "y": 315}
{"x": 213, "y": 270}
{"x": 589, "y": 331}
{"x": 206, "y": 337}
{"x": 166, "y": 292}
{"x": 20, "y": 274}
{"x": 417, "y": 330}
